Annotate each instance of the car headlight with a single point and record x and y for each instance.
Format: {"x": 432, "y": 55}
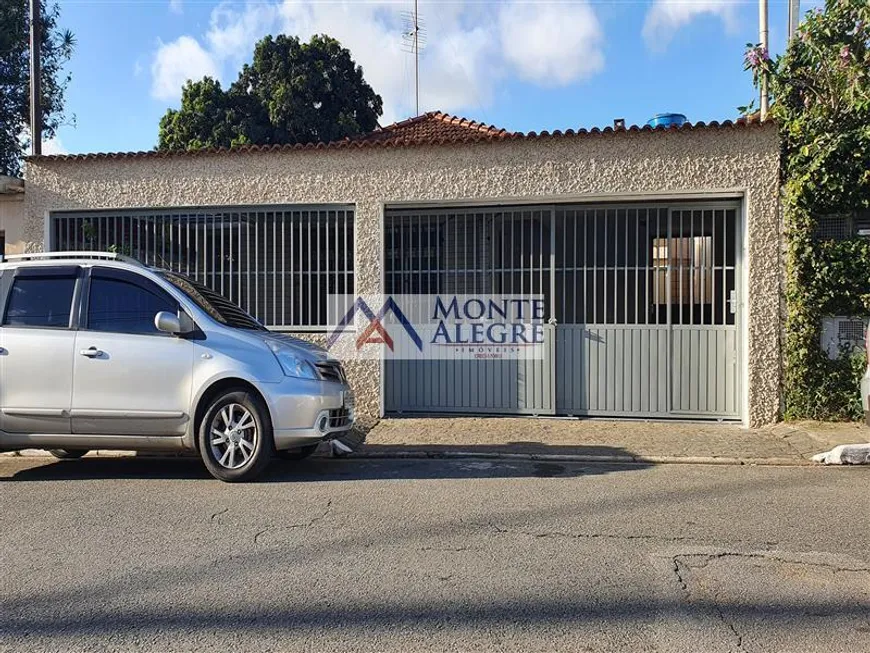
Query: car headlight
{"x": 292, "y": 363}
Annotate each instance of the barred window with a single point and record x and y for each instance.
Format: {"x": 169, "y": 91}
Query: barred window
{"x": 278, "y": 263}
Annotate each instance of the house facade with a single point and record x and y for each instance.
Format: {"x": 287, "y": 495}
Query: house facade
{"x": 657, "y": 251}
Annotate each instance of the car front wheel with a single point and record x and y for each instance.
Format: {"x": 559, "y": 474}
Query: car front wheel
{"x": 235, "y": 437}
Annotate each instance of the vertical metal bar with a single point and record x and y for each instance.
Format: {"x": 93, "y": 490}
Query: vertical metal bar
{"x": 274, "y": 276}
{"x": 347, "y": 252}
{"x": 552, "y": 226}
{"x": 260, "y": 314}
{"x": 625, "y": 268}
{"x": 420, "y": 252}
{"x": 668, "y": 291}
{"x": 565, "y": 317}
{"x": 335, "y": 275}
{"x": 401, "y": 260}
{"x": 604, "y": 291}
{"x": 219, "y": 218}
{"x": 692, "y": 267}
{"x": 248, "y": 258}
{"x": 680, "y": 263}
{"x": 284, "y": 267}
{"x": 465, "y": 252}
{"x": 320, "y": 215}
{"x": 702, "y": 241}
{"x": 310, "y": 261}
{"x": 186, "y": 241}
{"x": 594, "y": 266}
{"x": 725, "y": 237}
{"x": 637, "y": 302}
{"x": 242, "y": 219}
{"x": 522, "y": 252}
{"x": 646, "y": 253}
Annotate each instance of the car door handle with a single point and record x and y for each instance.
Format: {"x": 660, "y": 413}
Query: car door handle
{"x": 91, "y": 352}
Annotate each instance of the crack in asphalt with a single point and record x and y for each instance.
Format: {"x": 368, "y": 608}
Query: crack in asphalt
{"x": 217, "y": 514}
{"x": 307, "y": 524}
{"x": 446, "y": 549}
{"x": 593, "y": 536}
{"x": 627, "y": 537}
{"x": 710, "y": 557}
{"x": 681, "y": 569}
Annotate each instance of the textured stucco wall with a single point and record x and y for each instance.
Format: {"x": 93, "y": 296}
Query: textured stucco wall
{"x": 12, "y": 222}
{"x": 572, "y": 168}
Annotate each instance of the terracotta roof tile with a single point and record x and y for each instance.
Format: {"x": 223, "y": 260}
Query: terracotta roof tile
{"x": 433, "y": 128}
{"x": 433, "y": 125}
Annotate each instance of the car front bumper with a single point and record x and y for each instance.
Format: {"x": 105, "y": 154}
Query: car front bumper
{"x": 305, "y": 412}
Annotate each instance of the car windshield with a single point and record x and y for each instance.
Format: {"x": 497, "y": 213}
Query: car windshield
{"x": 215, "y": 304}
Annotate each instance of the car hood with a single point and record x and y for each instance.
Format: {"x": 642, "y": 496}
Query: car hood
{"x": 310, "y": 351}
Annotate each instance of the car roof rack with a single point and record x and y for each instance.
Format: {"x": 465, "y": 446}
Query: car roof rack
{"x": 52, "y": 256}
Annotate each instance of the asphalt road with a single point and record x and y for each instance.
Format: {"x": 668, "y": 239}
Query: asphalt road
{"x": 377, "y": 555}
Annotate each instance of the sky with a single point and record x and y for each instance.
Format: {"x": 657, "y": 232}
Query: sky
{"x": 521, "y": 65}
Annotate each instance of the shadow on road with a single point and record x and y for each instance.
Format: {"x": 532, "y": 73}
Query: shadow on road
{"x": 437, "y": 466}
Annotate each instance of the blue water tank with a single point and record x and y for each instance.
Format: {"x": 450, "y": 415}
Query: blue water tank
{"x": 667, "y": 120}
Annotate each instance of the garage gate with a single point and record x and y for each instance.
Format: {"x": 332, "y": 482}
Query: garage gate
{"x": 642, "y": 307}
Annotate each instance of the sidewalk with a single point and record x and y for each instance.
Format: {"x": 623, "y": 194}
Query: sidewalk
{"x": 603, "y": 440}
{"x": 589, "y": 440}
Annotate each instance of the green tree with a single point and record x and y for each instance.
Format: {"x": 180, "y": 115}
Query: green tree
{"x": 56, "y": 49}
{"x": 292, "y": 92}
{"x": 209, "y": 117}
{"x": 821, "y": 102}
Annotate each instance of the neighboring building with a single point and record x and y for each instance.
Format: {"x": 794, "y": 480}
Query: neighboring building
{"x": 658, "y": 251}
{"x": 11, "y": 215}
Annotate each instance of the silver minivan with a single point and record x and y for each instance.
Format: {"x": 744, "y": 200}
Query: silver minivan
{"x": 98, "y": 351}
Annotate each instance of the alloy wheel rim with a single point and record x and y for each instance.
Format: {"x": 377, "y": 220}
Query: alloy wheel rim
{"x": 233, "y": 436}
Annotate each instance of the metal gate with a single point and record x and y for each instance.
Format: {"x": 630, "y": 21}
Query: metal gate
{"x": 467, "y": 252}
{"x": 642, "y": 301}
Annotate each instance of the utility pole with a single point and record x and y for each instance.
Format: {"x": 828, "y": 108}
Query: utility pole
{"x": 794, "y": 16}
{"x": 763, "y": 40}
{"x": 35, "y": 79}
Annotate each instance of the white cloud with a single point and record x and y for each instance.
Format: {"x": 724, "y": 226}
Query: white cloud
{"x": 176, "y": 6}
{"x": 665, "y": 17}
{"x": 470, "y": 47}
{"x": 175, "y": 63}
{"x": 552, "y": 45}
{"x": 233, "y": 33}
{"x": 455, "y": 63}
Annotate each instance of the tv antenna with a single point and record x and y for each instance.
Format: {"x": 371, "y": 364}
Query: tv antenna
{"x": 414, "y": 40}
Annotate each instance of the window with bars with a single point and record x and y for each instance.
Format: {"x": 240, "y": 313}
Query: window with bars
{"x": 278, "y": 263}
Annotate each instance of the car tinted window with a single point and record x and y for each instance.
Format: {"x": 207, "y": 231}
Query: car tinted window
{"x": 40, "y": 302}
{"x": 122, "y": 307}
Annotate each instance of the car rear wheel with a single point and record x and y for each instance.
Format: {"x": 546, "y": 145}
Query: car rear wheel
{"x": 68, "y": 454}
{"x": 297, "y": 454}
{"x": 235, "y": 437}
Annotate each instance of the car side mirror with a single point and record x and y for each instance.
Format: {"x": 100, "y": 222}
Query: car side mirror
{"x": 167, "y": 322}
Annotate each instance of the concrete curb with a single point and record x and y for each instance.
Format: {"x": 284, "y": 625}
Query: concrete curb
{"x": 586, "y": 458}
{"x": 485, "y": 455}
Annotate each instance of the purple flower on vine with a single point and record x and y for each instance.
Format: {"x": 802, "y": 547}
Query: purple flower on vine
{"x": 755, "y": 56}
{"x": 845, "y": 55}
